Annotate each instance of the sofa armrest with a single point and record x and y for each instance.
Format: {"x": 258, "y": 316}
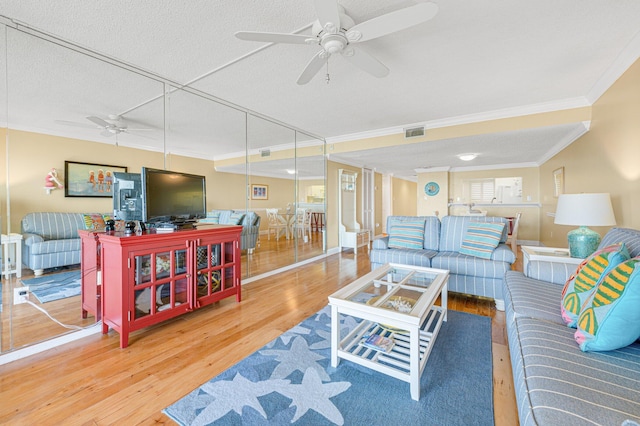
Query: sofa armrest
{"x": 503, "y": 253}
{"x": 553, "y": 272}
{"x": 30, "y": 239}
{"x": 381, "y": 243}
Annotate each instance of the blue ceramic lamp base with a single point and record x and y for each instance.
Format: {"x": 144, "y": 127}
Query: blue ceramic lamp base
{"x": 583, "y": 242}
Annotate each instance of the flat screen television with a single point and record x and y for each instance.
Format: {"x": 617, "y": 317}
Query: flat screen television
{"x": 172, "y": 197}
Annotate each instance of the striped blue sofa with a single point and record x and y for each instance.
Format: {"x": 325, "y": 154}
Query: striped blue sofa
{"x": 442, "y": 240}
{"x": 51, "y": 240}
{"x": 249, "y": 220}
{"x": 555, "y": 382}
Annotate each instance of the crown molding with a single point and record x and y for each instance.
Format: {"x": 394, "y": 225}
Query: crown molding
{"x": 625, "y": 59}
{"x": 559, "y": 105}
{"x": 565, "y": 142}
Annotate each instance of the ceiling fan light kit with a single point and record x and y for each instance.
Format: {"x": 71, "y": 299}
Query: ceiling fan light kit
{"x": 335, "y": 32}
{"x": 467, "y": 157}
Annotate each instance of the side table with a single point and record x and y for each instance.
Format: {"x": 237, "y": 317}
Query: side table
{"x": 547, "y": 254}
{"x": 11, "y": 264}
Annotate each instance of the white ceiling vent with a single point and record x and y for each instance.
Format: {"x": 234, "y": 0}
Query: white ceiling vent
{"x": 265, "y": 153}
{"x": 414, "y": 132}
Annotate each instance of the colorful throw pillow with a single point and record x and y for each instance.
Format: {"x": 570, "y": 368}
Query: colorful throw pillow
{"x": 481, "y": 239}
{"x": 610, "y": 318}
{"x": 406, "y": 234}
{"x": 94, "y": 222}
{"x": 582, "y": 283}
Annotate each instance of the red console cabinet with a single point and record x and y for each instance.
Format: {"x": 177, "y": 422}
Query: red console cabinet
{"x": 151, "y": 277}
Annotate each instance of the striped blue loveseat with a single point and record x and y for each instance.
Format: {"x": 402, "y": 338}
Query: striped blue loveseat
{"x": 50, "y": 240}
{"x": 555, "y": 382}
{"x": 442, "y": 240}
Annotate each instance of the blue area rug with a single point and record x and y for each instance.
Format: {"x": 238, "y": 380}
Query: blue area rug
{"x": 55, "y": 286}
{"x": 291, "y": 380}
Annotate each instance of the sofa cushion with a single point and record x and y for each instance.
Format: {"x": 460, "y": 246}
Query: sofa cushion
{"x": 610, "y": 317}
{"x": 235, "y": 218}
{"x": 52, "y": 225}
{"x": 583, "y": 282}
{"x": 481, "y": 239}
{"x": 528, "y": 297}
{"x": 213, "y": 217}
{"x": 461, "y": 264}
{"x": 403, "y": 256}
{"x": 431, "y": 229}
{"x": 406, "y": 234}
{"x": 630, "y": 238}
{"x": 454, "y": 229}
{"x": 557, "y": 384}
{"x": 55, "y": 246}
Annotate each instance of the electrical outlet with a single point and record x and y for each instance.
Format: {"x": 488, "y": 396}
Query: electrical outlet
{"x": 20, "y": 295}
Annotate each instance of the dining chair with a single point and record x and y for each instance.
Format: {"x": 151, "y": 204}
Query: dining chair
{"x": 513, "y": 238}
{"x": 277, "y": 224}
{"x": 302, "y": 223}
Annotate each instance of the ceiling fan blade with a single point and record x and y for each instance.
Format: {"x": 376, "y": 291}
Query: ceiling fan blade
{"x": 327, "y": 12}
{"x": 99, "y": 121}
{"x": 312, "y": 68}
{"x": 392, "y": 22}
{"x": 107, "y": 133}
{"x": 73, "y": 123}
{"x": 365, "y": 62}
{"x": 274, "y": 37}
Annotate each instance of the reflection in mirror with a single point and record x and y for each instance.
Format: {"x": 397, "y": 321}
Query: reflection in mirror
{"x": 40, "y": 139}
{"x": 271, "y": 182}
{"x": 130, "y": 120}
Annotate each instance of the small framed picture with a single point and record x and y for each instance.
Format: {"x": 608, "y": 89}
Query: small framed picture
{"x": 259, "y": 192}
{"x": 558, "y": 182}
{"x": 89, "y": 179}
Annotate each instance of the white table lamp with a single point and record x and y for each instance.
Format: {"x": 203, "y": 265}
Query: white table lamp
{"x": 584, "y": 210}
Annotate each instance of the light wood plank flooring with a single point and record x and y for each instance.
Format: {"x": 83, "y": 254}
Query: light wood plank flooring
{"x": 93, "y": 381}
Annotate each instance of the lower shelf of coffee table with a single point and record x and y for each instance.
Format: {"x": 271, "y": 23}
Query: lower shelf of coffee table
{"x": 395, "y": 363}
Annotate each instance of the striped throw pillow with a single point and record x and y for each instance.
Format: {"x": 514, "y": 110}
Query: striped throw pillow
{"x": 407, "y": 234}
{"x": 481, "y": 239}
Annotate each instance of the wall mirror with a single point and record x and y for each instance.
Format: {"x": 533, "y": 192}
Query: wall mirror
{"x": 232, "y": 147}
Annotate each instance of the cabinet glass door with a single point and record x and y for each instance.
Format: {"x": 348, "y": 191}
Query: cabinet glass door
{"x": 208, "y": 276}
{"x": 160, "y": 281}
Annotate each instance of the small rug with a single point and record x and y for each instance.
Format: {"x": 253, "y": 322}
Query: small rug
{"x": 55, "y": 286}
{"x": 291, "y": 381}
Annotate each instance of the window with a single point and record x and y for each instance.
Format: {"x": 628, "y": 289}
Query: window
{"x": 482, "y": 191}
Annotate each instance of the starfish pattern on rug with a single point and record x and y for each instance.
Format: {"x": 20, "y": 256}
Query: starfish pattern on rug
{"x": 312, "y": 394}
{"x": 234, "y": 395}
{"x": 298, "y": 358}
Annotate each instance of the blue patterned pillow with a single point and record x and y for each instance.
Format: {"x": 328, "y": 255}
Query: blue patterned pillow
{"x": 407, "y": 234}
{"x": 235, "y": 218}
{"x": 481, "y": 239}
{"x": 213, "y": 217}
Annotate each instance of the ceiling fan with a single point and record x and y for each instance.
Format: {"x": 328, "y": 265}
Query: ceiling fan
{"x": 335, "y": 32}
{"x": 112, "y": 125}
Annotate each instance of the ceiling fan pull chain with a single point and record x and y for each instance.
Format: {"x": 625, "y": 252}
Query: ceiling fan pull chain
{"x": 327, "y": 77}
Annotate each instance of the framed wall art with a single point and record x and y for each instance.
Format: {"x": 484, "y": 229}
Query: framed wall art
{"x": 558, "y": 182}
{"x": 89, "y": 179}
{"x": 259, "y": 192}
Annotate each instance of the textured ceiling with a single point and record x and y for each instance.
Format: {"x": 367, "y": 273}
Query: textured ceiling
{"x": 482, "y": 57}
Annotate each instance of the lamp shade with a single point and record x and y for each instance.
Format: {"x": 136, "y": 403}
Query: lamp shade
{"x": 585, "y": 210}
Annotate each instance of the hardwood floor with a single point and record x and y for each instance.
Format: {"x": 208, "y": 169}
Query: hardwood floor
{"x": 93, "y": 381}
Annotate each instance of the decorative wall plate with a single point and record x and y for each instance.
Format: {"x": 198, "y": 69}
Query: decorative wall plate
{"x": 431, "y": 188}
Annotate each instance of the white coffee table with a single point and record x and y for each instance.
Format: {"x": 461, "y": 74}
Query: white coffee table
{"x": 396, "y": 301}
